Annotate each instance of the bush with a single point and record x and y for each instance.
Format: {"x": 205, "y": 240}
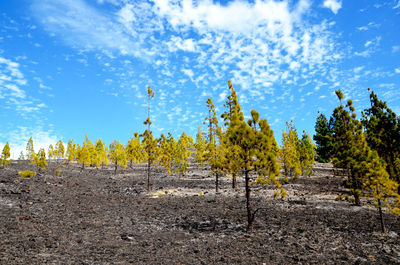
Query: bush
{"x": 27, "y": 174}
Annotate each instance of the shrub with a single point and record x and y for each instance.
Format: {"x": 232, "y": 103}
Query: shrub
{"x": 27, "y": 174}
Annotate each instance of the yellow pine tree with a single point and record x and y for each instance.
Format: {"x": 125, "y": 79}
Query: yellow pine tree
{"x": 50, "y": 152}
{"x": 290, "y": 156}
{"x": 134, "y": 150}
{"x": 101, "y": 153}
{"x": 200, "y": 147}
{"x": 59, "y": 150}
{"x": 5, "y": 155}
{"x": 166, "y": 153}
{"x": 182, "y": 154}
{"x": 214, "y": 154}
{"x": 380, "y": 187}
{"x": 40, "y": 160}
{"x": 71, "y": 153}
{"x": 83, "y": 155}
{"x": 30, "y": 152}
{"x": 256, "y": 150}
{"x": 118, "y": 155}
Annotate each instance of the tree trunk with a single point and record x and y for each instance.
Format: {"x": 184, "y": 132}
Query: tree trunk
{"x": 216, "y": 181}
{"x": 357, "y": 200}
{"x": 250, "y": 215}
{"x": 148, "y": 175}
{"x": 234, "y": 184}
{"x": 116, "y": 165}
{"x": 381, "y": 216}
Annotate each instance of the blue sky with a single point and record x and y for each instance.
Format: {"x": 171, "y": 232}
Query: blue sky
{"x": 75, "y": 67}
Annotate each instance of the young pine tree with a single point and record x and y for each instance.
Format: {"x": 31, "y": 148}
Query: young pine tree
{"x": 150, "y": 144}
{"x": 134, "y": 150}
{"x": 83, "y": 155}
{"x": 323, "y": 138}
{"x": 30, "y": 152}
{"x": 306, "y": 154}
{"x": 101, "y": 153}
{"x": 118, "y": 155}
{"x": 5, "y": 155}
{"x": 40, "y": 160}
{"x": 350, "y": 149}
{"x": 256, "y": 150}
{"x": 165, "y": 157}
{"x": 21, "y": 156}
{"x": 182, "y": 154}
{"x": 59, "y": 150}
{"x": 290, "y": 152}
{"x": 380, "y": 187}
{"x": 215, "y": 152}
{"x": 200, "y": 147}
{"x": 50, "y": 152}
{"x": 231, "y": 154}
{"x": 71, "y": 153}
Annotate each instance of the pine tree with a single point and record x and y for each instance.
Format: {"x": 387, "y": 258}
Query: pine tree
{"x": 59, "y": 150}
{"x": 165, "y": 157}
{"x": 40, "y": 160}
{"x": 200, "y": 147}
{"x": 306, "y": 154}
{"x": 21, "y": 156}
{"x": 214, "y": 154}
{"x": 379, "y": 186}
{"x": 71, "y": 153}
{"x": 134, "y": 150}
{"x": 382, "y": 130}
{"x": 5, "y": 155}
{"x": 231, "y": 154}
{"x": 256, "y": 149}
{"x": 30, "y": 152}
{"x": 91, "y": 150}
{"x": 150, "y": 143}
{"x": 83, "y": 155}
{"x": 323, "y": 138}
{"x": 182, "y": 154}
{"x": 290, "y": 152}
{"x": 118, "y": 155}
{"x": 350, "y": 148}
{"x": 101, "y": 153}
{"x": 50, "y": 152}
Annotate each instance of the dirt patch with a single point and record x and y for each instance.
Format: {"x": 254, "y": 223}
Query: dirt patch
{"x": 95, "y": 217}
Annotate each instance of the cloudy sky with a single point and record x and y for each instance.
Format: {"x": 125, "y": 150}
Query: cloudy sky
{"x": 75, "y": 67}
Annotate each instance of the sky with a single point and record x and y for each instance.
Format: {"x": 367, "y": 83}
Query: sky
{"x": 75, "y": 67}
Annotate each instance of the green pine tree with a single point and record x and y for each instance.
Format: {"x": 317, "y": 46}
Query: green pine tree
{"x": 382, "y": 130}
{"x": 323, "y": 138}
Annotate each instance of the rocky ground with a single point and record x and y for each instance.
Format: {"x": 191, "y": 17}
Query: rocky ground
{"x": 96, "y": 217}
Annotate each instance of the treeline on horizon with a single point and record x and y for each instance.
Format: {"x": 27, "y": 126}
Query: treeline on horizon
{"x": 367, "y": 151}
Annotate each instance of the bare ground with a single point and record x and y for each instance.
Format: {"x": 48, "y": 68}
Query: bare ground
{"x": 96, "y": 217}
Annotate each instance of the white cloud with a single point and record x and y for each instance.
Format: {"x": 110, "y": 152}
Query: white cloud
{"x": 19, "y": 137}
{"x": 395, "y": 48}
{"x": 83, "y": 26}
{"x": 333, "y": 5}
{"x": 397, "y": 70}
